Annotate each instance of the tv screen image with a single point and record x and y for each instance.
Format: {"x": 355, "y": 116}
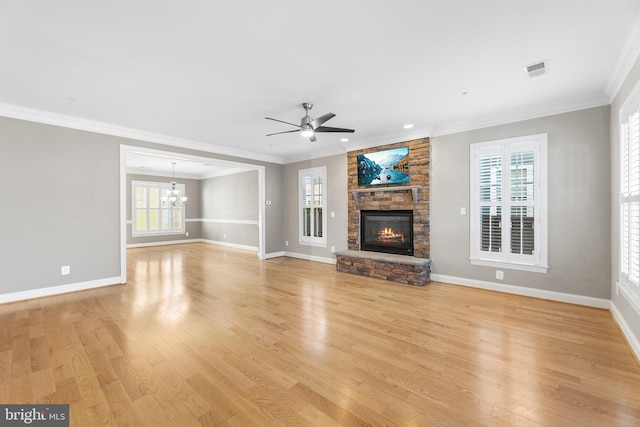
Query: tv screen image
{"x": 384, "y": 167}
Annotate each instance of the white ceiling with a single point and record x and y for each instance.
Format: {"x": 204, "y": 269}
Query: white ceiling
{"x": 163, "y": 163}
{"x": 205, "y": 74}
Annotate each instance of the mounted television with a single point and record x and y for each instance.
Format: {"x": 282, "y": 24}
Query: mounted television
{"x": 386, "y": 167}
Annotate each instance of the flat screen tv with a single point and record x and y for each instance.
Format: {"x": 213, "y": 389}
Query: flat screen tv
{"x": 385, "y": 167}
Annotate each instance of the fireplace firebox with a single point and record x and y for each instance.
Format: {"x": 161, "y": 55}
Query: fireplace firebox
{"x": 387, "y": 231}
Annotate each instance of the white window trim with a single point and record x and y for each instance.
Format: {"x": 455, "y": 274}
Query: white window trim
{"x": 630, "y": 289}
{"x": 504, "y": 259}
{"x": 310, "y": 240}
{"x": 163, "y": 188}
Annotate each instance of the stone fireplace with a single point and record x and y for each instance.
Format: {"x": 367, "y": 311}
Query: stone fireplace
{"x": 389, "y": 232}
{"x": 398, "y": 266}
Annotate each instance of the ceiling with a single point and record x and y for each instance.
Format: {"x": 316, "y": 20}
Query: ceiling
{"x": 168, "y": 164}
{"x": 204, "y": 74}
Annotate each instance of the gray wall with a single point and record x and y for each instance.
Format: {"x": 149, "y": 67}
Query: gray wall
{"x": 192, "y": 210}
{"x": 579, "y": 220}
{"x": 227, "y": 199}
{"x": 629, "y": 314}
{"x": 336, "y": 202}
{"x": 274, "y": 212}
{"x": 65, "y": 187}
{"x": 65, "y": 206}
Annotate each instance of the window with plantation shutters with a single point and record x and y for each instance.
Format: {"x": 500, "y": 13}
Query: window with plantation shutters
{"x": 313, "y": 206}
{"x": 149, "y": 216}
{"x": 508, "y": 203}
{"x": 630, "y": 198}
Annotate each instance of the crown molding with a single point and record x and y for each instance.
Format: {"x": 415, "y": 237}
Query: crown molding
{"x": 433, "y": 131}
{"x": 316, "y": 154}
{"x": 628, "y": 57}
{"x": 39, "y": 116}
{"x": 411, "y": 135}
{"x": 545, "y": 110}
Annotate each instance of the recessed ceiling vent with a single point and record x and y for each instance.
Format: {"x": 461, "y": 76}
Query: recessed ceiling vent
{"x": 537, "y": 69}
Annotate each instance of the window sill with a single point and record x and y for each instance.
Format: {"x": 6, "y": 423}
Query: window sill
{"x": 510, "y": 265}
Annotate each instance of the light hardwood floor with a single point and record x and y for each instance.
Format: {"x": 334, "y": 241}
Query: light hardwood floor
{"x": 207, "y": 335}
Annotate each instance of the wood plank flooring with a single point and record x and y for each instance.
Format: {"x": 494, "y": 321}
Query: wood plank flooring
{"x": 204, "y": 335}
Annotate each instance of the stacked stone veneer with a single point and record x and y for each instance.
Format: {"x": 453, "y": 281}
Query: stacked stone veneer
{"x": 399, "y": 268}
{"x": 419, "y": 172}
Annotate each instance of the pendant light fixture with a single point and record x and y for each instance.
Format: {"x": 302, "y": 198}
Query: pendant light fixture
{"x": 173, "y": 198}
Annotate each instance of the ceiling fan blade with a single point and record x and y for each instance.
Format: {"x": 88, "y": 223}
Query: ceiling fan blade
{"x": 322, "y": 119}
{"x": 330, "y": 129}
{"x": 282, "y": 121}
{"x": 286, "y": 131}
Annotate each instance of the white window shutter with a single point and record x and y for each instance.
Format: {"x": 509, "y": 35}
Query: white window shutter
{"x": 508, "y": 203}
{"x": 312, "y": 188}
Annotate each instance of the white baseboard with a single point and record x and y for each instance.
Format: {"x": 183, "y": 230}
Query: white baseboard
{"x": 168, "y": 242}
{"x": 57, "y": 290}
{"x": 180, "y": 242}
{"x": 274, "y": 255}
{"x": 310, "y": 257}
{"x": 529, "y": 292}
{"x": 248, "y": 248}
{"x": 628, "y": 333}
{"x": 229, "y": 245}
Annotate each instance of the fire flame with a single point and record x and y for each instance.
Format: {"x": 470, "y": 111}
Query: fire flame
{"x": 387, "y": 233}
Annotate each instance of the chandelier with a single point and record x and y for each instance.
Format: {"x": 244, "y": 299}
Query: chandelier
{"x": 173, "y": 197}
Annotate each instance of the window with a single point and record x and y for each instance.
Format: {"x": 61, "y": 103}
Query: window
{"x": 630, "y": 196}
{"x": 313, "y": 203}
{"x": 508, "y": 203}
{"x": 148, "y": 215}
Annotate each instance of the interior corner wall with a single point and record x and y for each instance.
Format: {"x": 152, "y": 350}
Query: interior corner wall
{"x": 274, "y": 211}
{"x": 579, "y": 175}
{"x": 230, "y": 210}
{"x": 65, "y": 208}
{"x": 627, "y": 312}
{"x": 337, "y": 195}
{"x": 192, "y": 211}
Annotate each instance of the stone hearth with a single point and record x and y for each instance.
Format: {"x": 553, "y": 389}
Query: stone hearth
{"x": 398, "y": 268}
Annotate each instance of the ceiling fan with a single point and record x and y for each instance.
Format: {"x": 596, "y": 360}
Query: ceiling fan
{"x": 308, "y": 126}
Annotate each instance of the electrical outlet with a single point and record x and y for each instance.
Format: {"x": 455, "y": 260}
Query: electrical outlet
{"x": 333, "y": 214}
{"x": 463, "y": 211}
{"x": 65, "y": 269}
{"x": 333, "y": 248}
{"x": 286, "y": 243}
{"x": 499, "y": 274}
{"x": 224, "y": 236}
{"x": 186, "y": 234}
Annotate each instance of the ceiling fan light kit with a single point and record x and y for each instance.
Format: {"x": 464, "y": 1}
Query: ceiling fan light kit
{"x": 307, "y": 132}
{"x": 309, "y": 126}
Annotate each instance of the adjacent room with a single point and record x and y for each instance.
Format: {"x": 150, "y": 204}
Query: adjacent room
{"x": 353, "y": 213}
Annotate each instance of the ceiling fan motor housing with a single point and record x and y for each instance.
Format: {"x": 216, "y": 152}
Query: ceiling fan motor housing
{"x": 309, "y": 126}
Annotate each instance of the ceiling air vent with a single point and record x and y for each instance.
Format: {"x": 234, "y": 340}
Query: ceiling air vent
{"x": 537, "y": 69}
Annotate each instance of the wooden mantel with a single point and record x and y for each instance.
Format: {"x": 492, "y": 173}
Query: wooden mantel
{"x": 413, "y": 188}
